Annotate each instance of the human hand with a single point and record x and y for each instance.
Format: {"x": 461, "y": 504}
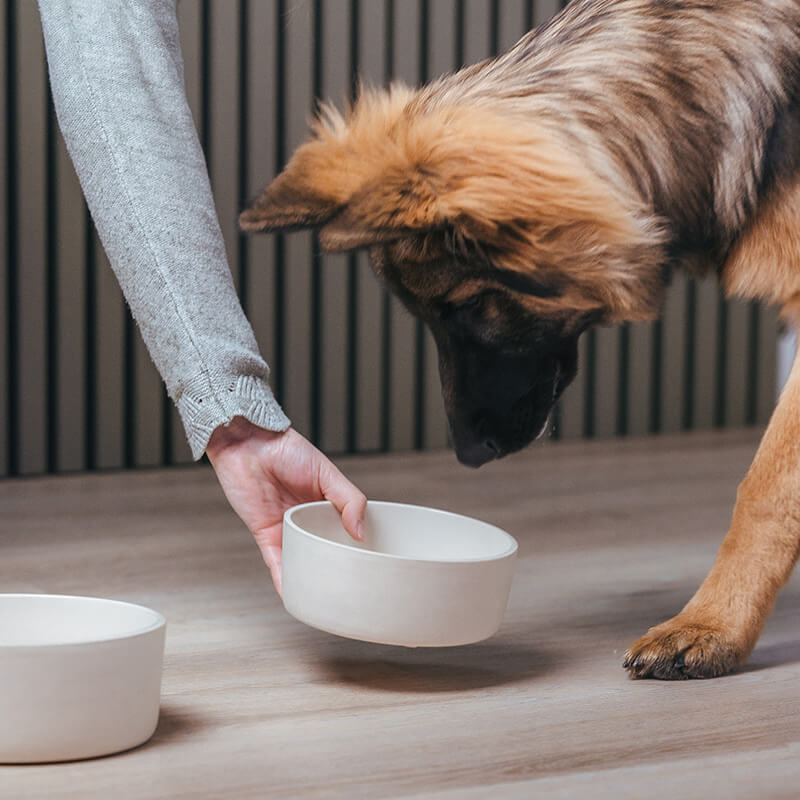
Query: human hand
{"x": 263, "y": 473}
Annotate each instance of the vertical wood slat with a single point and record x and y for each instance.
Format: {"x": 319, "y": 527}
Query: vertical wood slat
{"x": 31, "y": 340}
{"x": 223, "y": 117}
{"x": 297, "y": 30}
{"x": 370, "y": 306}
{"x": 421, "y": 334}
{"x": 607, "y": 382}
{"x": 673, "y": 320}
{"x": 570, "y": 419}
{"x": 334, "y": 268}
{"x": 261, "y": 50}
{"x": 403, "y": 328}
{"x": 190, "y": 26}
{"x": 477, "y": 30}
{"x": 71, "y": 294}
{"x": 639, "y": 385}
{"x": 441, "y": 58}
{"x": 108, "y": 389}
{"x": 7, "y": 202}
{"x": 705, "y": 354}
{"x": 544, "y": 9}
{"x": 511, "y": 23}
{"x": 736, "y": 356}
{"x": 767, "y": 363}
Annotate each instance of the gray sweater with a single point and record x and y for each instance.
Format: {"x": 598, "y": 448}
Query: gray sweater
{"x": 116, "y": 73}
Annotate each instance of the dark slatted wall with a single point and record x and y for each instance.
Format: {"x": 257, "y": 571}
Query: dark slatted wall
{"x": 353, "y": 371}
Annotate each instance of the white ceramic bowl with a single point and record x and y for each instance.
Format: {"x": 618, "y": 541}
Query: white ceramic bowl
{"x": 79, "y": 676}
{"x": 422, "y": 578}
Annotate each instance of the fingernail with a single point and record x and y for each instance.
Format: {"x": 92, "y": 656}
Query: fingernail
{"x": 360, "y": 530}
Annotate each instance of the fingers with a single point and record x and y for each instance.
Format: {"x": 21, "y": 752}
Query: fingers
{"x": 348, "y": 499}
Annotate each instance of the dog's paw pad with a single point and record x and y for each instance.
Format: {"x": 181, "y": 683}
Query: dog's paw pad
{"x": 680, "y": 649}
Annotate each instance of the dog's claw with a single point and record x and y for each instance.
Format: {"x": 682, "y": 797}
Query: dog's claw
{"x": 681, "y": 649}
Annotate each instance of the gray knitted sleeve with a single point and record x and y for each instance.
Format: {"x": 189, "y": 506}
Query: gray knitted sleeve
{"x": 116, "y": 73}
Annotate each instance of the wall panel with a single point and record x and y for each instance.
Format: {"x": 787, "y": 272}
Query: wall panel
{"x": 354, "y": 371}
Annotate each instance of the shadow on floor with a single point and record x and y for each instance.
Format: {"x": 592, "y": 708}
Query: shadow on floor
{"x": 430, "y": 670}
{"x": 772, "y": 655}
{"x": 176, "y": 723}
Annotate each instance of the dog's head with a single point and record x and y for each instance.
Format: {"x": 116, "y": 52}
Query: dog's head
{"x": 488, "y": 230}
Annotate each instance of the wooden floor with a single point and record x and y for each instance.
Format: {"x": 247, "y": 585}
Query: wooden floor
{"x": 613, "y": 538}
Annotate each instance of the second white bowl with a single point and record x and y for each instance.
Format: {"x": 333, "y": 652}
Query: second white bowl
{"x": 79, "y": 676}
{"x": 422, "y": 578}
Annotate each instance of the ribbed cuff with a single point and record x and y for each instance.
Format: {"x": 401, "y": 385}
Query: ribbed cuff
{"x": 203, "y": 409}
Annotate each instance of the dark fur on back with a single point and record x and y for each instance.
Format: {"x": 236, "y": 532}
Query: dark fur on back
{"x": 693, "y": 103}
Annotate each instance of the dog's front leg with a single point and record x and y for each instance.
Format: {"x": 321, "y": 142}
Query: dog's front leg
{"x": 719, "y": 626}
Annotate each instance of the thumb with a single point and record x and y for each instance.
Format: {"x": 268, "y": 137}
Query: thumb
{"x": 272, "y": 558}
{"x": 348, "y": 499}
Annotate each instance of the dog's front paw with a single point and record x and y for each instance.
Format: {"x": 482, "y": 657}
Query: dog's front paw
{"x": 682, "y": 648}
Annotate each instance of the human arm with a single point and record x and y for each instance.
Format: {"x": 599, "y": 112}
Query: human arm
{"x": 116, "y": 73}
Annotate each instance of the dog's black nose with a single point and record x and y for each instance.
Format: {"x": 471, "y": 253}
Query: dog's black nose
{"x": 474, "y": 454}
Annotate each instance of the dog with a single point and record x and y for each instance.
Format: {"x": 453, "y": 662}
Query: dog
{"x": 516, "y": 202}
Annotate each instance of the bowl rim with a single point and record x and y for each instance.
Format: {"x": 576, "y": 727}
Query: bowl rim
{"x": 511, "y": 550}
{"x": 158, "y": 622}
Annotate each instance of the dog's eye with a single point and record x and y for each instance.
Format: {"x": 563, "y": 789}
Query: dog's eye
{"x": 464, "y": 311}
{"x": 479, "y": 317}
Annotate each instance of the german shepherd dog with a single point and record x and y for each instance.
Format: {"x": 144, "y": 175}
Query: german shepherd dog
{"x": 516, "y": 202}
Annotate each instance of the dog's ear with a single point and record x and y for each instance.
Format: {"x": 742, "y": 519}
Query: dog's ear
{"x": 497, "y": 183}
{"x": 344, "y": 154}
{"x": 395, "y": 206}
{"x": 466, "y": 178}
{"x": 288, "y": 203}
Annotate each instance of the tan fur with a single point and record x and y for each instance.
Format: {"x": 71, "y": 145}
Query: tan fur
{"x": 719, "y": 626}
{"x": 764, "y": 264}
{"x": 389, "y": 170}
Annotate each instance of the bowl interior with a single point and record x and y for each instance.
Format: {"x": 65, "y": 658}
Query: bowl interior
{"x": 413, "y": 532}
{"x": 30, "y": 620}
